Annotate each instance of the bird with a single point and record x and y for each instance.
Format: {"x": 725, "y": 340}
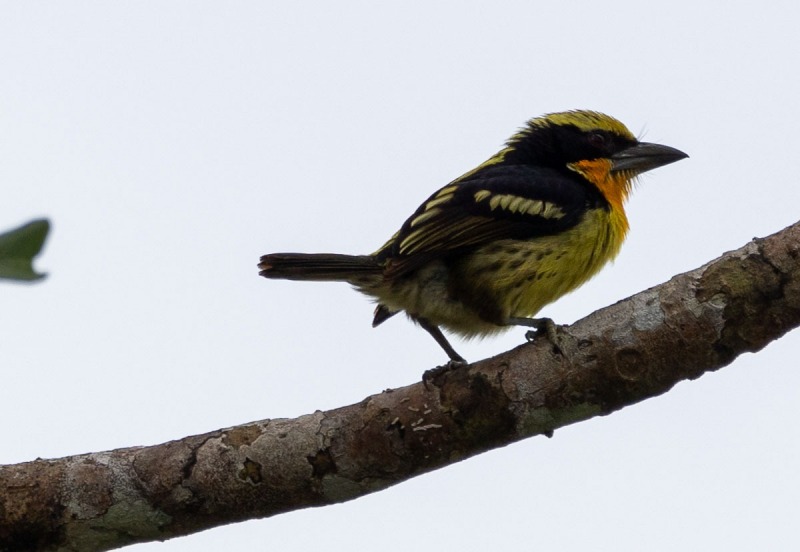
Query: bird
{"x": 487, "y": 251}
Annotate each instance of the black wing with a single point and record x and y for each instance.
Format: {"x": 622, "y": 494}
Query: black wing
{"x": 494, "y": 203}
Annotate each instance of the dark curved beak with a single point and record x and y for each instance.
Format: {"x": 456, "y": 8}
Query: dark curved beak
{"x": 644, "y": 156}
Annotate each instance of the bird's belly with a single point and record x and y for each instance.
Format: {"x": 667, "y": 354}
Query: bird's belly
{"x": 521, "y": 277}
{"x": 427, "y": 294}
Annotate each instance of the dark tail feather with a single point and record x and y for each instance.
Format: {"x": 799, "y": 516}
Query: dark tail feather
{"x": 382, "y": 314}
{"x": 319, "y": 267}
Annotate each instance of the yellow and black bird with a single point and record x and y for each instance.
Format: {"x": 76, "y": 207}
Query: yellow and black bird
{"x": 490, "y": 249}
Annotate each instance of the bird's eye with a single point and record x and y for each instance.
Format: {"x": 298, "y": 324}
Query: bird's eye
{"x": 598, "y": 140}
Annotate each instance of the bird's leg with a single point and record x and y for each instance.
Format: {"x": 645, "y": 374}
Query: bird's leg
{"x": 540, "y": 326}
{"x": 437, "y": 334}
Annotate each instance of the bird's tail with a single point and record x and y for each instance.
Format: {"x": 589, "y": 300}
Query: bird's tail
{"x": 356, "y": 269}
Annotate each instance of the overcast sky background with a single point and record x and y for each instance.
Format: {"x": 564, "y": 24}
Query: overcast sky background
{"x": 173, "y": 143}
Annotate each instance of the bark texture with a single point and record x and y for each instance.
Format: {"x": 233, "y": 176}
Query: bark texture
{"x": 638, "y": 348}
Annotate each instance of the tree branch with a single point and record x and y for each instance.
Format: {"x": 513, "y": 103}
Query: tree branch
{"x": 636, "y": 349}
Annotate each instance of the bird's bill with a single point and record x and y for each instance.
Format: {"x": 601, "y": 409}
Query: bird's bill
{"x": 645, "y": 156}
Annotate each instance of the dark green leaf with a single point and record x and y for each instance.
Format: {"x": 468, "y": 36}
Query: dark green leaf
{"x": 18, "y": 247}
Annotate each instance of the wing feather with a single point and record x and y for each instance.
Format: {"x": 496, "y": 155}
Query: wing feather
{"x": 494, "y": 203}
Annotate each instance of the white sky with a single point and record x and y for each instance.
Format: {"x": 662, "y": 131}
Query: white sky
{"x": 173, "y": 143}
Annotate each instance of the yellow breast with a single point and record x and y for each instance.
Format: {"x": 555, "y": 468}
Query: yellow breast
{"x": 527, "y": 275}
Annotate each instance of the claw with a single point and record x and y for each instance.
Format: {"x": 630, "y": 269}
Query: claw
{"x": 433, "y": 373}
{"x": 541, "y": 326}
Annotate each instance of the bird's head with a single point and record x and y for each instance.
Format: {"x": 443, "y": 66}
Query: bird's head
{"x": 597, "y": 146}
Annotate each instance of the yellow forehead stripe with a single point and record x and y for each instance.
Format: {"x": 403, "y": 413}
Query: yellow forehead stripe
{"x": 585, "y": 121}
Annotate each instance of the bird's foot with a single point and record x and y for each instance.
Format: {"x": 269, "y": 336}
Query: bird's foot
{"x": 435, "y": 373}
{"x": 541, "y": 327}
